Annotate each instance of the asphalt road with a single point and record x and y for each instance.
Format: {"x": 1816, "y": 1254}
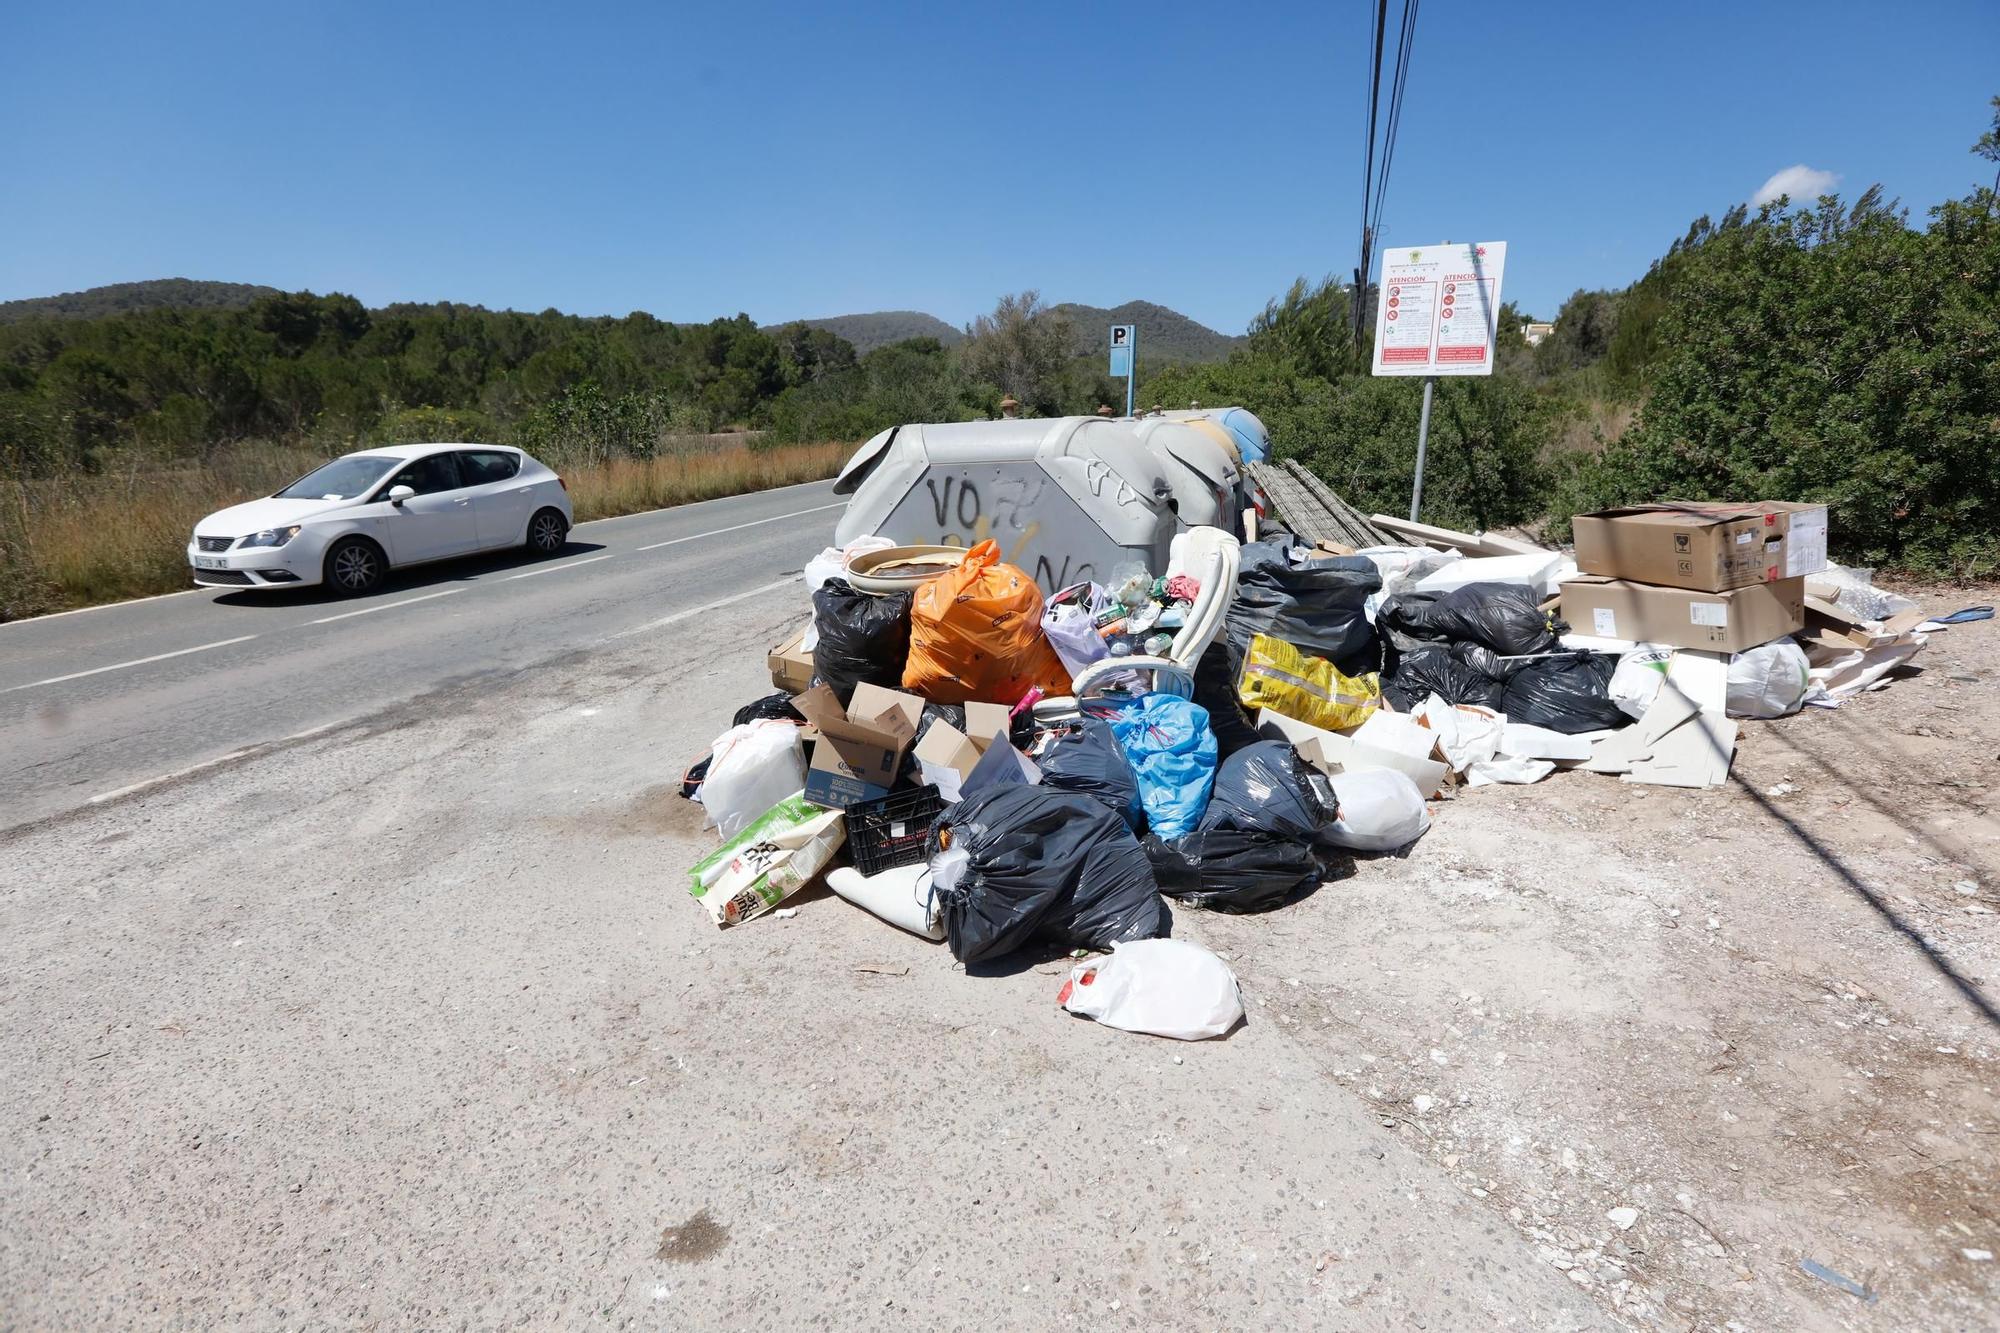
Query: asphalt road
{"x": 95, "y": 702}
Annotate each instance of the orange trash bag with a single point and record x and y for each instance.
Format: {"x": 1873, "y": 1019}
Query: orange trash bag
{"x": 976, "y": 635}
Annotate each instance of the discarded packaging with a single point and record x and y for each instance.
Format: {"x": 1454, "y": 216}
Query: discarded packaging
{"x": 778, "y": 854}
{"x": 1166, "y": 988}
{"x": 1722, "y": 621}
{"x": 751, "y": 768}
{"x": 1278, "y": 676}
{"x": 1770, "y": 680}
{"x": 1381, "y": 810}
{"x": 791, "y": 663}
{"x": 901, "y": 896}
{"x": 859, "y": 749}
{"x": 1709, "y": 547}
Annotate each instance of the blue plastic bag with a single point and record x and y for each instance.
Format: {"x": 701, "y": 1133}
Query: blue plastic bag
{"x": 1172, "y": 753}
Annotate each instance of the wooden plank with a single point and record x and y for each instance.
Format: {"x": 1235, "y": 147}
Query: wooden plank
{"x": 1470, "y": 543}
{"x": 1356, "y": 530}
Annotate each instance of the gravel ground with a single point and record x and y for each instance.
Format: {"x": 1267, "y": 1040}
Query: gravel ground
{"x": 1753, "y": 1015}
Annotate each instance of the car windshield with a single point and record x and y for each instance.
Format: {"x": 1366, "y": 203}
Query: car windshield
{"x": 342, "y": 479}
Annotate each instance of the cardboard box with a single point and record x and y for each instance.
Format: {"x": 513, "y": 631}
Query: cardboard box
{"x": 1706, "y": 547}
{"x": 945, "y": 746}
{"x": 791, "y": 666}
{"x": 859, "y": 749}
{"x": 1718, "y": 621}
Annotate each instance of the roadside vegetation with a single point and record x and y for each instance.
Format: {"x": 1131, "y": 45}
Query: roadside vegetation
{"x": 1821, "y": 351}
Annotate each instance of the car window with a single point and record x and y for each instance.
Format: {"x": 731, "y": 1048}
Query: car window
{"x": 342, "y": 479}
{"x": 427, "y": 476}
{"x": 481, "y": 467}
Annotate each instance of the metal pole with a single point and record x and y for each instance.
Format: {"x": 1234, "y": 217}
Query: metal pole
{"x": 1132, "y": 370}
{"x": 1423, "y": 439}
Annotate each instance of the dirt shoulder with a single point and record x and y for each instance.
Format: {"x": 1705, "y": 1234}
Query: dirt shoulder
{"x": 1752, "y": 1014}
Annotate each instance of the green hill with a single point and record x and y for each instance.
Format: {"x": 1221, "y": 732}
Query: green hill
{"x": 1164, "y": 335}
{"x": 881, "y": 327}
{"x": 124, "y": 297}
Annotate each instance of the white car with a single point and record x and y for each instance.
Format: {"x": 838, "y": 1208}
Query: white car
{"x": 349, "y": 523}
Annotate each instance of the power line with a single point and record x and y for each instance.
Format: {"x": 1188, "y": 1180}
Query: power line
{"x": 1405, "y": 43}
{"x": 1375, "y": 184}
{"x": 1368, "y": 161}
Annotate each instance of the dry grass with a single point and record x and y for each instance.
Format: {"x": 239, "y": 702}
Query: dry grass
{"x": 82, "y": 540}
{"x": 628, "y": 486}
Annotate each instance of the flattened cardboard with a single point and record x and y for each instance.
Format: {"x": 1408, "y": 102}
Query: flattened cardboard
{"x": 1703, "y": 546}
{"x": 1717, "y": 621}
{"x": 1391, "y": 740}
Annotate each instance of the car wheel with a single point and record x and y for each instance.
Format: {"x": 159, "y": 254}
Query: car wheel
{"x": 355, "y": 566}
{"x": 547, "y": 532}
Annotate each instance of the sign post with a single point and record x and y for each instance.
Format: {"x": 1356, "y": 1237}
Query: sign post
{"x": 1437, "y": 313}
{"x": 1124, "y": 355}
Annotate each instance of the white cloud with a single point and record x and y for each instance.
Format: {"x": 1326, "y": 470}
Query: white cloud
{"x": 1802, "y": 183}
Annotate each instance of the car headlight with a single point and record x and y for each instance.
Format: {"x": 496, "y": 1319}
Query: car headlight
{"x": 271, "y": 536}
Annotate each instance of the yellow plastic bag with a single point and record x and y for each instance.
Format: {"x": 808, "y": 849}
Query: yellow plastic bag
{"x": 1279, "y": 677}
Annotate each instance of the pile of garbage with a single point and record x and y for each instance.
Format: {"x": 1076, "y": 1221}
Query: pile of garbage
{"x": 991, "y": 769}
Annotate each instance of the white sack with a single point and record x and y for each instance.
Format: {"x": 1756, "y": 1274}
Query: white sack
{"x": 1769, "y": 680}
{"x": 751, "y": 769}
{"x": 1169, "y": 988}
{"x": 1380, "y": 810}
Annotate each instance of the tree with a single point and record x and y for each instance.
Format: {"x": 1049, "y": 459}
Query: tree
{"x": 1022, "y": 349}
{"x": 1836, "y": 354}
{"x": 1988, "y": 145}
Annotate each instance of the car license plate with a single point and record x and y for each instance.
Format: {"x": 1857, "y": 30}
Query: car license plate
{"x": 210, "y": 562}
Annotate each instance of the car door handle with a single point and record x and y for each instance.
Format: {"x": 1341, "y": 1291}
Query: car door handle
{"x": 463, "y": 501}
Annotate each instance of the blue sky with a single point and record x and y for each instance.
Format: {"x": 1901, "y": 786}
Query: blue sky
{"x": 806, "y": 160}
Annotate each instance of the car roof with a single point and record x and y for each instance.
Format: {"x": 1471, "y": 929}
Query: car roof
{"x": 420, "y": 450}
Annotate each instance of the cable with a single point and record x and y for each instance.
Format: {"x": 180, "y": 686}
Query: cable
{"x": 1399, "y": 84}
{"x": 1368, "y": 162}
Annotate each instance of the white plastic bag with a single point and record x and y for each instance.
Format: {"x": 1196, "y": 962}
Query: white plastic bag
{"x": 1380, "y": 810}
{"x": 751, "y": 768}
{"x": 1637, "y": 680}
{"x": 1169, "y": 988}
{"x": 1769, "y": 680}
{"x": 1073, "y": 634}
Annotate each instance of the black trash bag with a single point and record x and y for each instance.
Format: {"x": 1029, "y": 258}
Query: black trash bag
{"x": 1505, "y": 617}
{"x": 1259, "y": 842}
{"x": 1267, "y": 788}
{"x": 1044, "y": 865}
{"x": 863, "y": 639}
{"x": 777, "y": 705}
{"x": 1215, "y": 677}
{"x": 1438, "y": 668}
{"x": 1088, "y": 759}
{"x": 952, "y": 715}
{"x": 1233, "y": 870}
{"x": 1568, "y": 693}
{"x": 691, "y": 780}
{"x": 1316, "y": 606}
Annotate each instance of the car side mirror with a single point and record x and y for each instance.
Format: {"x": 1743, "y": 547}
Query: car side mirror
{"x": 398, "y": 494}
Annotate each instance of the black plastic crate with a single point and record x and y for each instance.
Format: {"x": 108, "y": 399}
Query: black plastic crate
{"x": 892, "y": 831}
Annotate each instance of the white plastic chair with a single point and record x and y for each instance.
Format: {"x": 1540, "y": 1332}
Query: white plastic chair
{"x": 1212, "y": 556}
